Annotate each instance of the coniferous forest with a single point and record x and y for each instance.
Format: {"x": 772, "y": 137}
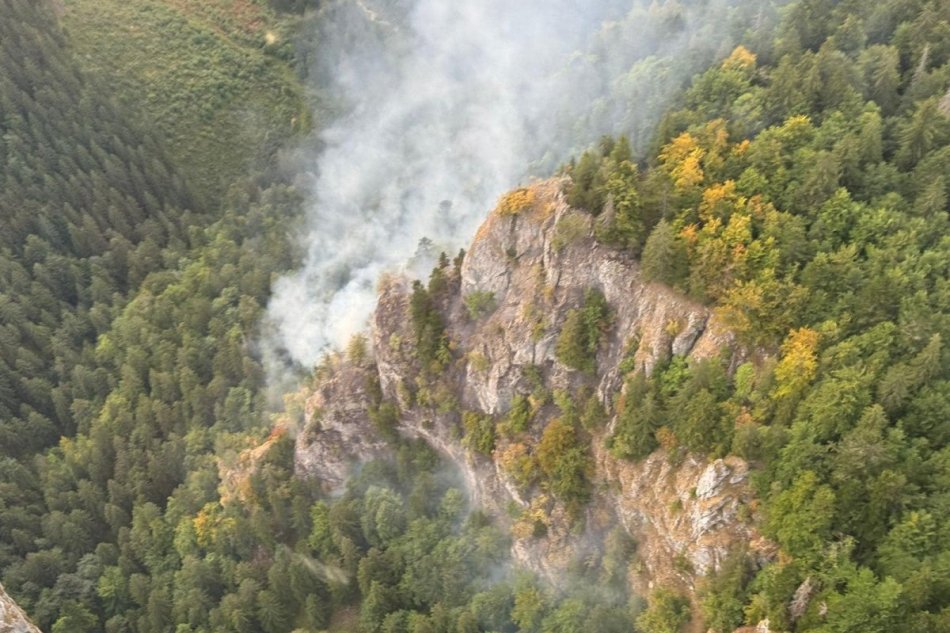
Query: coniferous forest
{"x": 798, "y": 185}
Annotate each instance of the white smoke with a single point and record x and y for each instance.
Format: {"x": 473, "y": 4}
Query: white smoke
{"x": 446, "y": 105}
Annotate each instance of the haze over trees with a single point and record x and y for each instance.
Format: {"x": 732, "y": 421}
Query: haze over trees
{"x": 799, "y": 186}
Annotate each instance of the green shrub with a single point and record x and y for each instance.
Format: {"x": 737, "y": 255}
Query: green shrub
{"x": 664, "y": 256}
{"x": 583, "y": 332}
{"x": 594, "y": 416}
{"x": 519, "y": 416}
{"x": 569, "y": 228}
{"x": 637, "y": 420}
{"x": 479, "y": 432}
{"x": 667, "y": 613}
{"x": 565, "y": 462}
{"x": 480, "y": 304}
{"x": 432, "y": 346}
{"x": 587, "y": 183}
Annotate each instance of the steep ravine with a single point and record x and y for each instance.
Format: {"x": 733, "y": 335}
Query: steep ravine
{"x": 532, "y": 267}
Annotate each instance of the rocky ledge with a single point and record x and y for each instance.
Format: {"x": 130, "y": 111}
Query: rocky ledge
{"x": 12, "y": 617}
{"x": 503, "y": 308}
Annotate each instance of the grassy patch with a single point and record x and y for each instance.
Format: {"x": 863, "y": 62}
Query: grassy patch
{"x": 211, "y": 77}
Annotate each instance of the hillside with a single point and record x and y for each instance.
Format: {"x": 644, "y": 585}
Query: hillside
{"x": 696, "y": 381}
{"x": 215, "y": 78}
{"x": 578, "y": 390}
{"x": 494, "y": 409}
{"x": 12, "y": 618}
{"x": 90, "y": 201}
{"x": 106, "y": 245}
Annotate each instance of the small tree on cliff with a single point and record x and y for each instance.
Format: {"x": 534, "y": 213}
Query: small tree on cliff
{"x": 664, "y": 256}
{"x": 583, "y": 331}
{"x": 565, "y": 462}
{"x": 432, "y": 345}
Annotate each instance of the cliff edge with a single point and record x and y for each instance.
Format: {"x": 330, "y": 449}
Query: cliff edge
{"x": 12, "y": 617}
{"x": 498, "y": 376}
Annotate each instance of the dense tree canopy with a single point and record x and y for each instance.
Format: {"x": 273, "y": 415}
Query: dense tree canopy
{"x": 88, "y": 205}
{"x": 798, "y": 186}
{"x": 803, "y": 189}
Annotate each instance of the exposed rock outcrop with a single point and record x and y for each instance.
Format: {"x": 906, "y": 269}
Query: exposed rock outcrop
{"x": 537, "y": 265}
{"x": 12, "y": 617}
{"x": 339, "y": 432}
{"x": 528, "y": 269}
{"x": 688, "y": 516}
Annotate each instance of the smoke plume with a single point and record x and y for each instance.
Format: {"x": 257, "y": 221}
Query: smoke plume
{"x": 443, "y": 106}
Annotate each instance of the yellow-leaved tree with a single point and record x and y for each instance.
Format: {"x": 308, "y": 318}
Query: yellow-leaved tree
{"x": 682, "y": 159}
{"x": 799, "y": 363}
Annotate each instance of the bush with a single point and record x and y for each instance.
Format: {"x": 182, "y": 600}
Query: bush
{"x": 569, "y": 228}
{"x": 516, "y": 201}
{"x": 664, "y": 256}
{"x": 432, "y": 344}
{"x": 583, "y": 332}
{"x": 517, "y": 461}
{"x": 480, "y": 304}
{"x": 724, "y": 593}
{"x": 587, "y": 183}
{"x": 667, "y": 613}
{"x": 594, "y": 416}
{"x": 637, "y": 421}
{"x": 479, "y": 432}
{"x": 519, "y": 416}
{"x": 565, "y": 462}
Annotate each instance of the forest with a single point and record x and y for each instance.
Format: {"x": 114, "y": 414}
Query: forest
{"x": 801, "y": 190}
{"x": 799, "y": 185}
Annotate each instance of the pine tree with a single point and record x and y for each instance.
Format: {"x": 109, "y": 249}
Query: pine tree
{"x": 664, "y": 257}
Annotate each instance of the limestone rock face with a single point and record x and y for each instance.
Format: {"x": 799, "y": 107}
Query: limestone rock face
{"x": 531, "y": 268}
{"x": 12, "y": 617}
{"x": 339, "y": 433}
{"x": 685, "y": 515}
{"x": 537, "y": 264}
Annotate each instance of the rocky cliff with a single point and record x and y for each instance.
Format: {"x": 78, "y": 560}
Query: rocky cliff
{"x": 12, "y": 617}
{"x": 529, "y": 265}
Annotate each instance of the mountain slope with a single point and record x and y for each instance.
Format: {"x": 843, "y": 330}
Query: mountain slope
{"x": 213, "y": 78}
{"x": 89, "y": 202}
{"x": 495, "y": 406}
{"x": 793, "y": 214}
{"x": 797, "y": 192}
{"x": 124, "y": 321}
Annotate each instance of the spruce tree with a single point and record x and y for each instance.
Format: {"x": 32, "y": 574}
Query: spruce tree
{"x": 664, "y": 257}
